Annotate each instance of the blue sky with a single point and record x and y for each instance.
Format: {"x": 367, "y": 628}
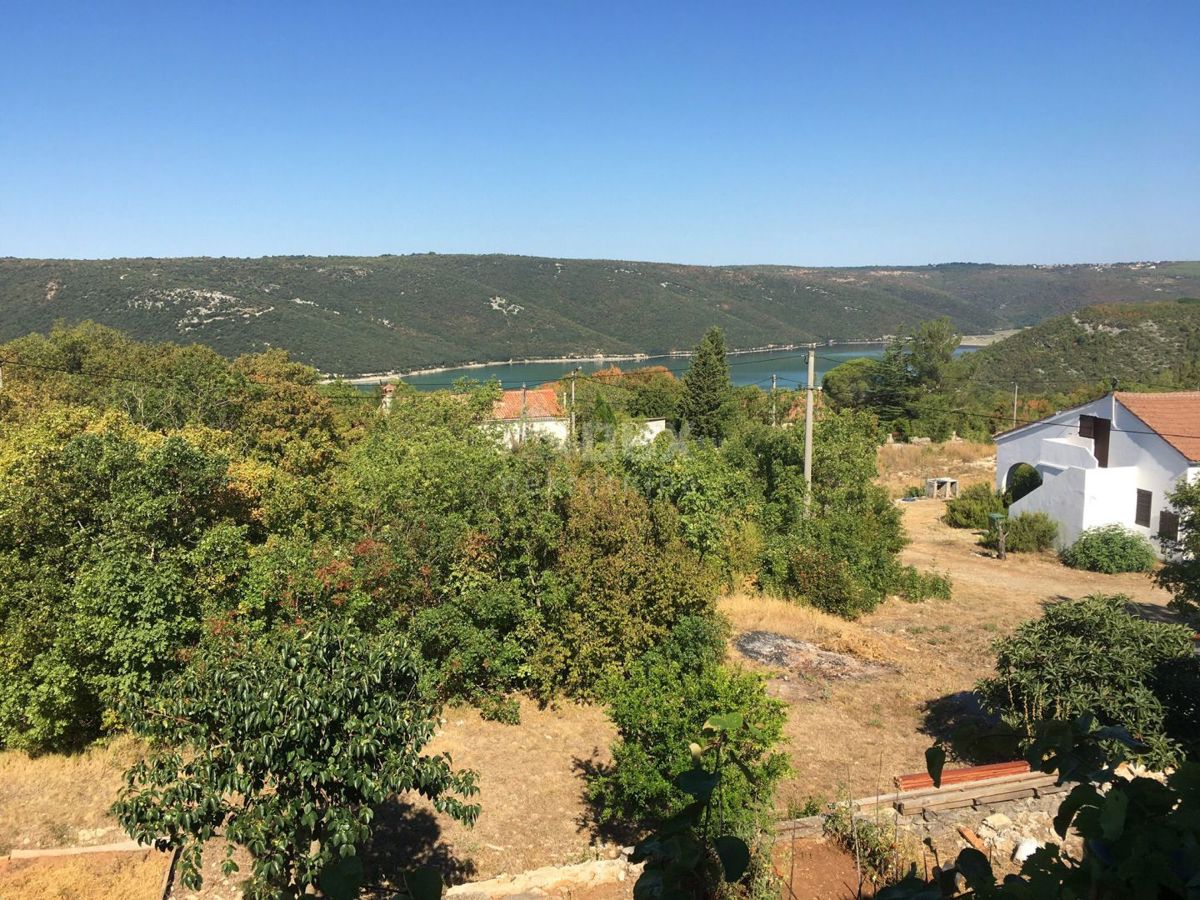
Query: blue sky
{"x": 818, "y": 134}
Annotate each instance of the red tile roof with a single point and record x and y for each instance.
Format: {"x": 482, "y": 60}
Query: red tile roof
{"x": 1175, "y": 416}
{"x": 539, "y": 403}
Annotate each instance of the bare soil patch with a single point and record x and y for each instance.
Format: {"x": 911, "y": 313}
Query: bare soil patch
{"x": 815, "y": 869}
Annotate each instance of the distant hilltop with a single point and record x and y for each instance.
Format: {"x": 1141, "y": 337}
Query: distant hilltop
{"x": 352, "y": 315}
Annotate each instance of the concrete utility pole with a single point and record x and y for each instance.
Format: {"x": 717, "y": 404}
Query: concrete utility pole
{"x": 1014, "y": 425}
{"x": 808, "y": 422}
{"x": 774, "y": 378}
{"x": 574, "y": 374}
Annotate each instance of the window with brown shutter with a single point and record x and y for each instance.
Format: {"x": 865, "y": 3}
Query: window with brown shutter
{"x": 1168, "y": 525}
{"x": 1142, "y": 515}
{"x": 1087, "y": 426}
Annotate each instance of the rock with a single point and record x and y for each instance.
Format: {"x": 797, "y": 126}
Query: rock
{"x": 1025, "y": 849}
{"x": 998, "y": 822}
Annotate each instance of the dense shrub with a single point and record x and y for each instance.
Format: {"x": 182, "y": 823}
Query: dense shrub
{"x": 1026, "y": 533}
{"x": 1110, "y": 549}
{"x": 1090, "y": 655}
{"x": 973, "y": 505}
{"x": 660, "y": 707}
{"x": 836, "y": 549}
{"x": 914, "y": 585}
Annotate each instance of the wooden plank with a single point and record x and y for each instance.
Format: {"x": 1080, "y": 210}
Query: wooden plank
{"x": 977, "y": 794}
{"x": 918, "y": 780}
{"x": 1026, "y": 779}
{"x": 1004, "y": 796}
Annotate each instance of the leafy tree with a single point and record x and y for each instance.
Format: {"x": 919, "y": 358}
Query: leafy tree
{"x": 847, "y": 386}
{"x": 1090, "y": 656}
{"x": 707, "y": 390}
{"x": 1180, "y": 573}
{"x": 622, "y": 579}
{"x": 114, "y": 543}
{"x": 287, "y": 747}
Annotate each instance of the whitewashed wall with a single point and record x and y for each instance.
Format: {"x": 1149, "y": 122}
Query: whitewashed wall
{"x": 1075, "y": 491}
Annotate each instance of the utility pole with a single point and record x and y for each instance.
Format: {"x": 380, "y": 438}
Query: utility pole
{"x": 574, "y": 374}
{"x": 1014, "y": 424}
{"x": 521, "y": 427}
{"x": 808, "y": 423}
{"x": 774, "y": 378}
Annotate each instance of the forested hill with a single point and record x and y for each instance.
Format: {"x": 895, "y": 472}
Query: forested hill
{"x": 353, "y": 315}
{"x": 1155, "y": 344}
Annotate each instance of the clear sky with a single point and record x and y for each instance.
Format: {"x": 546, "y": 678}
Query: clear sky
{"x": 823, "y": 134}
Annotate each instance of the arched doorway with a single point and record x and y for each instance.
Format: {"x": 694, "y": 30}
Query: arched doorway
{"x": 1022, "y": 479}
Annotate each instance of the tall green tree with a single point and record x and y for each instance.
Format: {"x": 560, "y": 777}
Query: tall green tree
{"x": 707, "y": 390}
{"x": 288, "y": 748}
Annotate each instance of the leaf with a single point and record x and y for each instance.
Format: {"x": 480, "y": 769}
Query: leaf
{"x": 1082, "y": 795}
{"x": 341, "y": 879}
{"x": 697, "y": 782}
{"x": 935, "y": 761}
{"x": 729, "y": 723}
{"x": 424, "y": 883}
{"x": 976, "y": 869}
{"x": 734, "y": 856}
{"x": 1112, "y": 814}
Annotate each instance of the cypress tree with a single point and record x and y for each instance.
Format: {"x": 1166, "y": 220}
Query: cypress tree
{"x": 707, "y": 391}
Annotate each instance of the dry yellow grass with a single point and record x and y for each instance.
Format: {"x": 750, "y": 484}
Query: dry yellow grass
{"x": 58, "y": 800}
{"x": 754, "y": 612}
{"x": 130, "y": 876}
{"x": 904, "y": 465}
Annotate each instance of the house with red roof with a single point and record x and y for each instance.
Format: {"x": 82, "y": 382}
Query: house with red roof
{"x": 527, "y": 413}
{"x": 1112, "y": 461}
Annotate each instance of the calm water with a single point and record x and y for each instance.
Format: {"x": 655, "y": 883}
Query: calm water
{"x": 745, "y": 368}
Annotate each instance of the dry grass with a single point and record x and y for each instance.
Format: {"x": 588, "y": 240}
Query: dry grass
{"x": 100, "y": 876}
{"x": 902, "y": 466}
{"x": 57, "y": 800}
{"x": 750, "y": 612}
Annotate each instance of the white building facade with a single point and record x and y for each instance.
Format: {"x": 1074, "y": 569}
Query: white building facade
{"x": 1112, "y": 461}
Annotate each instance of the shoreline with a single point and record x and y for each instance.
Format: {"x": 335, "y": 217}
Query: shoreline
{"x": 972, "y": 341}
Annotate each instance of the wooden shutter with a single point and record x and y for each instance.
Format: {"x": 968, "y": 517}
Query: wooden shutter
{"x": 1141, "y": 515}
{"x": 1100, "y": 431}
{"x": 1168, "y": 525}
{"x": 1087, "y": 426}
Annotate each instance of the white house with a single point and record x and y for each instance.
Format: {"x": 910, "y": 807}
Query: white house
{"x": 538, "y": 412}
{"x": 523, "y": 414}
{"x": 1110, "y": 461}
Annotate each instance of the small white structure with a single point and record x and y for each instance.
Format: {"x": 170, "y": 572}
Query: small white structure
{"x": 1108, "y": 462}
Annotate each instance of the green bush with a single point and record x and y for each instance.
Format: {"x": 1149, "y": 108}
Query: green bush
{"x": 1025, "y": 533}
{"x": 914, "y": 585}
{"x": 973, "y": 505}
{"x": 1110, "y": 549}
{"x": 1090, "y": 655}
{"x": 660, "y": 707}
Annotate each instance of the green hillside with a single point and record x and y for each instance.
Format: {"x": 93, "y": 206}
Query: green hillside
{"x": 1136, "y": 343}
{"x": 354, "y": 315}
